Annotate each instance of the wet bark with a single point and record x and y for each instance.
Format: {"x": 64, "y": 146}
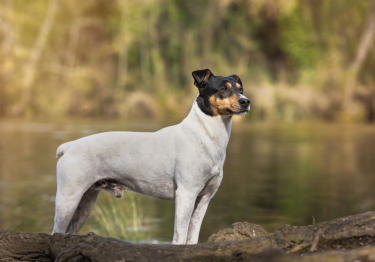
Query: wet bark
{"x": 343, "y": 239}
{"x": 238, "y": 231}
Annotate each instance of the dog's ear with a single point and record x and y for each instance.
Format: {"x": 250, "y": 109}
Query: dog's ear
{"x": 201, "y": 77}
{"x": 237, "y": 78}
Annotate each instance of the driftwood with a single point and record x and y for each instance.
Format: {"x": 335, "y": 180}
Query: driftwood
{"x": 239, "y": 231}
{"x": 344, "y": 239}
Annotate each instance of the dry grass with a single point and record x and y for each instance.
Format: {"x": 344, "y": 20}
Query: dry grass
{"x": 119, "y": 218}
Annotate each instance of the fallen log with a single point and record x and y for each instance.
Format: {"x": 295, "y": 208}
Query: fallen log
{"x": 238, "y": 231}
{"x": 349, "y": 238}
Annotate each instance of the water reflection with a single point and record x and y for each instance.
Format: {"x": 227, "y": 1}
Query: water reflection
{"x": 274, "y": 174}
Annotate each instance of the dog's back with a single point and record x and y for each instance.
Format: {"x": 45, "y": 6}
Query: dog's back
{"x": 138, "y": 162}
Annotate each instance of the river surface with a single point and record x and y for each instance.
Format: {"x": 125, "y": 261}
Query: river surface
{"x": 274, "y": 174}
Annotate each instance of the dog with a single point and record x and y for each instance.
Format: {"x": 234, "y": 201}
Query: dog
{"x": 182, "y": 162}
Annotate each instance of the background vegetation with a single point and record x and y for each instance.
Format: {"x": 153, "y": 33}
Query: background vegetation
{"x": 309, "y": 59}
{"x": 122, "y": 219}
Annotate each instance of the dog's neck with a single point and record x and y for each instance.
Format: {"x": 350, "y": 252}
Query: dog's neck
{"x": 217, "y": 128}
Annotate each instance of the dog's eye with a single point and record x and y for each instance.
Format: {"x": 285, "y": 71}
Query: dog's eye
{"x": 225, "y": 89}
{"x": 241, "y": 90}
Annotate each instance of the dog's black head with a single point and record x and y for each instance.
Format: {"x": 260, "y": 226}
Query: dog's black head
{"x": 220, "y": 95}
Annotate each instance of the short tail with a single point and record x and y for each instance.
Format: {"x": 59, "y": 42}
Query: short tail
{"x": 62, "y": 149}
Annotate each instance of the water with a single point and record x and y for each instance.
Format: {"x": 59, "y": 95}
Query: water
{"x": 275, "y": 174}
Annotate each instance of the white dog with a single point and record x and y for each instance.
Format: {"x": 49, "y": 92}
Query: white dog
{"x": 182, "y": 162}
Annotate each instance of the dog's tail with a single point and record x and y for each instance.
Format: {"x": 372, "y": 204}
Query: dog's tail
{"x": 62, "y": 149}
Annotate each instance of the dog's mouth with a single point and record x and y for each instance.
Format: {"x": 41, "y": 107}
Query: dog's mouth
{"x": 241, "y": 112}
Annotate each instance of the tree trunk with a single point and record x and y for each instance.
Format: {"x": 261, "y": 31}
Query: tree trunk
{"x": 5, "y": 52}
{"x": 70, "y": 63}
{"x": 31, "y": 65}
{"x": 364, "y": 45}
{"x": 326, "y": 240}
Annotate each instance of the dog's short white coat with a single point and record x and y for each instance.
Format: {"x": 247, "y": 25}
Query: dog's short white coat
{"x": 182, "y": 163}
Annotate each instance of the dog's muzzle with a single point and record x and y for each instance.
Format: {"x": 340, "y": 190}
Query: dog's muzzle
{"x": 244, "y": 105}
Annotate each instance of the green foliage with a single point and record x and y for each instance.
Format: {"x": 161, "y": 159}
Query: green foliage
{"x": 313, "y": 221}
{"x": 295, "y": 40}
{"x": 98, "y": 53}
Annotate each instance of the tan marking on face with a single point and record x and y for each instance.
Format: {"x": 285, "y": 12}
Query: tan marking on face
{"x": 227, "y": 84}
{"x": 219, "y": 106}
{"x": 238, "y": 85}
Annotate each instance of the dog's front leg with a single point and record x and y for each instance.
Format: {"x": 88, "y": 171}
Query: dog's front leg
{"x": 184, "y": 207}
{"x": 197, "y": 218}
{"x": 200, "y": 209}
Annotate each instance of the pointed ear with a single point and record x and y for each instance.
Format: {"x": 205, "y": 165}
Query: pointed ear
{"x": 237, "y": 78}
{"x": 201, "y": 77}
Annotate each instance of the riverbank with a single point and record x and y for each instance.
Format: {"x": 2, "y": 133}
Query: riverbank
{"x": 342, "y": 239}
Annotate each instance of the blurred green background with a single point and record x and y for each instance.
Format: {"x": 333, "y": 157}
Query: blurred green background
{"x": 69, "y": 69}
{"x": 309, "y": 59}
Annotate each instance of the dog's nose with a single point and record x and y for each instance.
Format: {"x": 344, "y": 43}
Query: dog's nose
{"x": 244, "y": 102}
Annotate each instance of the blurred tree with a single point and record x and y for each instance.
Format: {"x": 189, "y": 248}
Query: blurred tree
{"x": 30, "y": 67}
{"x": 364, "y": 45}
{"x": 100, "y": 58}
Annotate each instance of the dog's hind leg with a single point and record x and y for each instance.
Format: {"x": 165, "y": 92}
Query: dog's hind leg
{"x": 83, "y": 210}
{"x": 66, "y": 205}
{"x": 72, "y": 184}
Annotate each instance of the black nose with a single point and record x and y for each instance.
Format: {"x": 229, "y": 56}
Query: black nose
{"x": 244, "y": 102}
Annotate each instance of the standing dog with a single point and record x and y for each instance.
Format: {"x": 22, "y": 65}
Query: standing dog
{"x": 182, "y": 162}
